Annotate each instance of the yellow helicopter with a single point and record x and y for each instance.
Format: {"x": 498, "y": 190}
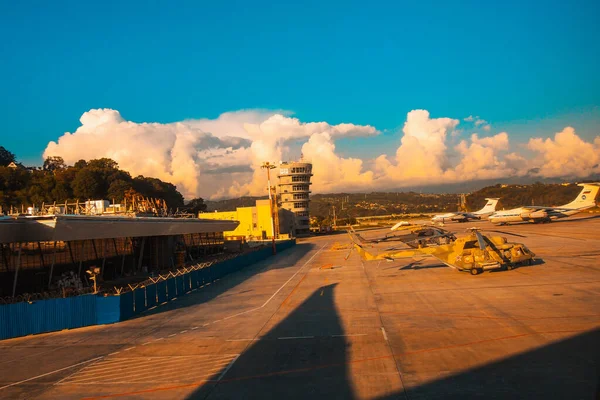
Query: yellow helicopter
{"x": 475, "y": 253}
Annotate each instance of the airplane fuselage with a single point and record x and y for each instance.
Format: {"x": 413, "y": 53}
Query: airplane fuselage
{"x": 522, "y": 214}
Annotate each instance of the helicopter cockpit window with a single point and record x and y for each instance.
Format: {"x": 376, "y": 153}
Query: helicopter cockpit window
{"x": 471, "y": 245}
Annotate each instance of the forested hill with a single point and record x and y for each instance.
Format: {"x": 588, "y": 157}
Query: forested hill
{"x": 537, "y": 194}
{"x": 232, "y": 204}
{"x": 351, "y": 205}
{"x": 366, "y": 204}
{"x": 58, "y": 182}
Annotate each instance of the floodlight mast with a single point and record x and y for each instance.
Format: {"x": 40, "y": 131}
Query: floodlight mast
{"x": 268, "y": 166}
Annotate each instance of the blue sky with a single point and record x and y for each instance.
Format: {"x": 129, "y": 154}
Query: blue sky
{"x": 527, "y": 68}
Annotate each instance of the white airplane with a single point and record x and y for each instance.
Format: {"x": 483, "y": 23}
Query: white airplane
{"x": 399, "y": 224}
{"x": 585, "y": 199}
{"x": 459, "y": 216}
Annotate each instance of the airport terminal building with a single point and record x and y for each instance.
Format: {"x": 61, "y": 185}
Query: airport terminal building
{"x": 290, "y": 208}
{"x": 35, "y": 251}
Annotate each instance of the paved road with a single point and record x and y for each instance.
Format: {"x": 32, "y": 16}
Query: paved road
{"x": 310, "y": 323}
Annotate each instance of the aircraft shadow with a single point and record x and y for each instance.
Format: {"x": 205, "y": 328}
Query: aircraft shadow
{"x": 283, "y": 366}
{"x": 567, "y": 369}
{"x": 229, "y": 282}
{"x": 317, "y": 368}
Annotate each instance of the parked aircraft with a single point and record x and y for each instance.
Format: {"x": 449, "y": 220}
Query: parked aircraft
{"x": 459, "y": 216}
{"x": 584, "y": 200}
{"x": 475, "y": 253}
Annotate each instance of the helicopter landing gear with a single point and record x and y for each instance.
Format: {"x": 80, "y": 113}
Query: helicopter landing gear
{"x": 509, "y": 267}
{"x": 474, "y": 271}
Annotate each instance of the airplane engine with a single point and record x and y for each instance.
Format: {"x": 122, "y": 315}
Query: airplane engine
{"x": 535, "y": 215}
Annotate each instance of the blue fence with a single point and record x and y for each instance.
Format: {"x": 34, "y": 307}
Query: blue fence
{"x": 22, "y": 319}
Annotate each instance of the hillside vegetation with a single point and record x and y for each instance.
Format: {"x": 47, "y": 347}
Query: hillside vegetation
{"x": 58, "y": 182}
{"x": 352, "y": 205}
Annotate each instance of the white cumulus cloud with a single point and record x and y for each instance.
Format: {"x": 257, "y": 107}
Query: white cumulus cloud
{"x": 221, "y": 157}
{"x": 566, "y": 155}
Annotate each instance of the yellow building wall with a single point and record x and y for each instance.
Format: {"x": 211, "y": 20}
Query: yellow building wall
{"x": 253, "y": 220}
{"x": 263, "y": 212}
{"x": 245, "y": 217}
{"x": 226, "y": 215}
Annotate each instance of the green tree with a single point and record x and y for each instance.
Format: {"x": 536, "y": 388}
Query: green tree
{"x": 6, "y": 157}
{"x": 196, "y": 205}
{"x": 87, "y": 185}
{"x": 155, "y": 188}
{"x": 117, "y": 189}
{"x": 54, "y": 163}
{"x": 80, "y": 164}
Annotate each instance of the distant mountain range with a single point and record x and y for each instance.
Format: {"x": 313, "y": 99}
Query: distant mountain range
{"x": 471, "y": 186}
{"x": 512, "y": 192}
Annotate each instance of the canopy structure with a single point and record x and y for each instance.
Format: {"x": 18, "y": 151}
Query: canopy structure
{"x": 83, "y": 227}
{"x": 36, "y": 250}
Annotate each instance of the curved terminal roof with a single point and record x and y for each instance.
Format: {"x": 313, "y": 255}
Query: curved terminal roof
{"x": 84, "y": 227}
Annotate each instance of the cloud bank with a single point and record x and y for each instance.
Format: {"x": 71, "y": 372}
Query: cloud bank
{"x": 221, "y": 157}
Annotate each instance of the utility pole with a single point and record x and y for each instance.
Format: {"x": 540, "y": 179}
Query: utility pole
{"x": 334, "y": 219}
{"x": 268, "y": 166}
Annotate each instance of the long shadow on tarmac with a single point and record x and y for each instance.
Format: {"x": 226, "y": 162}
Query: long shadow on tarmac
{"x": 317, "y": 368}
{"x": 209, "y": 292}
{"x": 282, "y": 365}
{"x": 567, "y": 369}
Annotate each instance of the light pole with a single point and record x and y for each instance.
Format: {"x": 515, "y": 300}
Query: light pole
{"x": 268, "y": 166}
{"x": 94, "y": 272}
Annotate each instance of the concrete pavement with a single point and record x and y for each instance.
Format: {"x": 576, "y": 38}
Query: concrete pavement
{"x": 311, "y": 323}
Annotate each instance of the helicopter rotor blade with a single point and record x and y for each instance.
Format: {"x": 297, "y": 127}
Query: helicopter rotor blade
{"x": 393, "y": 248}
{"x": 481, "y": 241}
{"x": 508, "y": 233}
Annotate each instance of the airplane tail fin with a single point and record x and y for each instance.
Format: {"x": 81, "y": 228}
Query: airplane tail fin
{"x": 585, "y": 198}
{"x": 489, "y": 207}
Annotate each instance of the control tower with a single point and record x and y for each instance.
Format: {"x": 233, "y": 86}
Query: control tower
{"x": 294, "y": 191}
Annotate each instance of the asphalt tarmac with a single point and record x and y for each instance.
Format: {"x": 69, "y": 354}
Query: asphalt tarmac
{"x": 309, "y": 323}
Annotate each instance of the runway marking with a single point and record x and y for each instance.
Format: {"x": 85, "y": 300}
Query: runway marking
{"x": 158, "y": 369}
{"x": 147, "y": 343}
{"x": 241, "y": 340}
{"x": 350, "y": 334}
{"x": 276, "y": 373}
{"x": 194, "y": 328}
{"x": 171, "y": 335}
{"x": 384, "y": 334}
{"x": 160, "y": 338}
{"x": 173, "y": 369}
{"x": 295, "y": 337}
{"x": 129, "y": 348}
{"x": 136, "y": 368}
{"x": 276, "y": 292}
{"x": 183, "y": 331}
{"x": 307, "y": 369}
{"x": 227, "y": 368}
{"x": 510, "y": 317}
{"x": 492, "y": 287}
{"x": 50, "y": 373}
{"x": 116, "y": 352}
